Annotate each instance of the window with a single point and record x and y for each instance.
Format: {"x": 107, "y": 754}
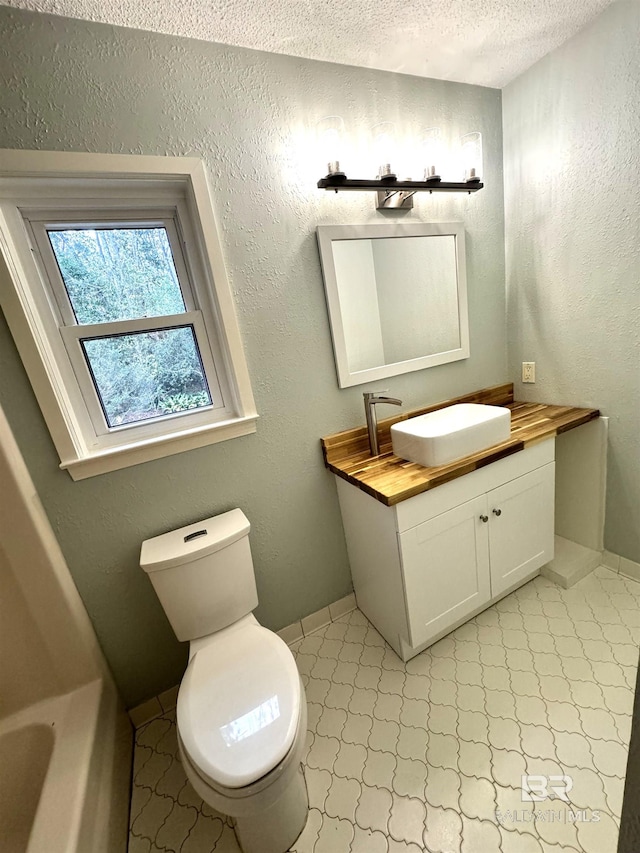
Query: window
{"x": 131, "y": 326}
{"x": 128, "y": 319}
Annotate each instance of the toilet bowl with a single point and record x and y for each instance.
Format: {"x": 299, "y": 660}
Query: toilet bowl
{"x": 241, "y": 710}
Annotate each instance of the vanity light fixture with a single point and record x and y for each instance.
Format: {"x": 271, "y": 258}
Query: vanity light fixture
{"x": 391, "y": 192}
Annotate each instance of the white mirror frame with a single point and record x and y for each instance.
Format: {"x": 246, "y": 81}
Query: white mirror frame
{"x": 327, "y": 234}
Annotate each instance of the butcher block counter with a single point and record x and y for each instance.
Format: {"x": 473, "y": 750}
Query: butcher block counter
{"x": 390, "y": 479}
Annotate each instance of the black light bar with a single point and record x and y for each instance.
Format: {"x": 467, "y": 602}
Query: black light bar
{"x": 337, "y": 183}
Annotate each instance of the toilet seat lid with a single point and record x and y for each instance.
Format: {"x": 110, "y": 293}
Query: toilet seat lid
{"x": 239, "y": 705}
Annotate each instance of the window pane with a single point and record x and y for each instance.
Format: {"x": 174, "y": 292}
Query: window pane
{"x": 147, "y": 374}
{"x": 117, "y": 273}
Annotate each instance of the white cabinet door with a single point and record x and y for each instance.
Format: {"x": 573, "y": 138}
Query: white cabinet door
{"x": 446, "y": 569}
{"x": 521, "y": 522}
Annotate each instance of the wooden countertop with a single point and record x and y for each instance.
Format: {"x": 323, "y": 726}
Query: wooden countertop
{"x": 390, "y": 479}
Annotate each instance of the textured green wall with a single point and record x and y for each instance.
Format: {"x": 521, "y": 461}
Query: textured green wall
{"x": 573, "y": 255}
{"x": 69, "y": 85}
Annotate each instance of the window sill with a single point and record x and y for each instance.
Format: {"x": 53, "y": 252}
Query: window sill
{"x": 103, "y": 461}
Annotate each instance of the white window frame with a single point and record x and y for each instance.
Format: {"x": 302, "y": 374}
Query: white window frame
{"x": 40, "y": 189}
{"x": 39, "y": 223}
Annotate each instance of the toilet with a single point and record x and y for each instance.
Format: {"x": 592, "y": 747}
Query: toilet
{"x": 241, "y": 711}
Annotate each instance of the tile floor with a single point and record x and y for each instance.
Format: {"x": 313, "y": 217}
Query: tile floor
{"x": 429, "y": 755}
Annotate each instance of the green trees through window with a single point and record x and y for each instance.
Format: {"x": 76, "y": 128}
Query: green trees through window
{"x": 121, "y": 274}
{"x": 117, "y": 274}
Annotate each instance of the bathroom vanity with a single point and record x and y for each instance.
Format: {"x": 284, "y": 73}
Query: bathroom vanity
{"x": 431, "y": 547}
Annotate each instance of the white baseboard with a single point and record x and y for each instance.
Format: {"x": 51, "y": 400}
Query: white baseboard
{"x": 320, "y": 619}
{"x": 628, "y": 568}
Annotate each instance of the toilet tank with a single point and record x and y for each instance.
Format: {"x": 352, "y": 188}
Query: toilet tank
{"x": 203, "y": 574}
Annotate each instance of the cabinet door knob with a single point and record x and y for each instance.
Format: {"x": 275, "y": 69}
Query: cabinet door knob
{"x": 497, "y": 512}
{"x": 484, "y": 518}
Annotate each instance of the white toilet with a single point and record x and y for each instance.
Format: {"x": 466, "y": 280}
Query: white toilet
{"x": 242, "y": 713}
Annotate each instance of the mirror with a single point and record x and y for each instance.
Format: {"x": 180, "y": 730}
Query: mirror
{"x": 397, "y": 297}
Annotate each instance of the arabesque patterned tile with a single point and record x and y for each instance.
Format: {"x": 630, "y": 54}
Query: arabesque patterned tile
{"x": 428, "y": 756}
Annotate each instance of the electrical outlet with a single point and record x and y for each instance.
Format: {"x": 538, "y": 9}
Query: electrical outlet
{"x": 528, "y": 371}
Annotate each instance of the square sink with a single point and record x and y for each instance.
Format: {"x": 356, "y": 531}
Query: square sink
{"x": 451, "y": 433}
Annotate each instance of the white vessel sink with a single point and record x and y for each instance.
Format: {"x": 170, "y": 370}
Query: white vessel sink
{"x": 447, "y": 434}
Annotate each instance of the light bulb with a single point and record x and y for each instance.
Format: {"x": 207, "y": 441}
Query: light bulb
{"x": 432, "y": 153}
{"x": 330, "y": 138}
{"x": 471, "y": 152}
{"x": 383, "y": 138}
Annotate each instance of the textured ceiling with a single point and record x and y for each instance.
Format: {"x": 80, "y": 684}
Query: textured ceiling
{"x": 486, "y": 42}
